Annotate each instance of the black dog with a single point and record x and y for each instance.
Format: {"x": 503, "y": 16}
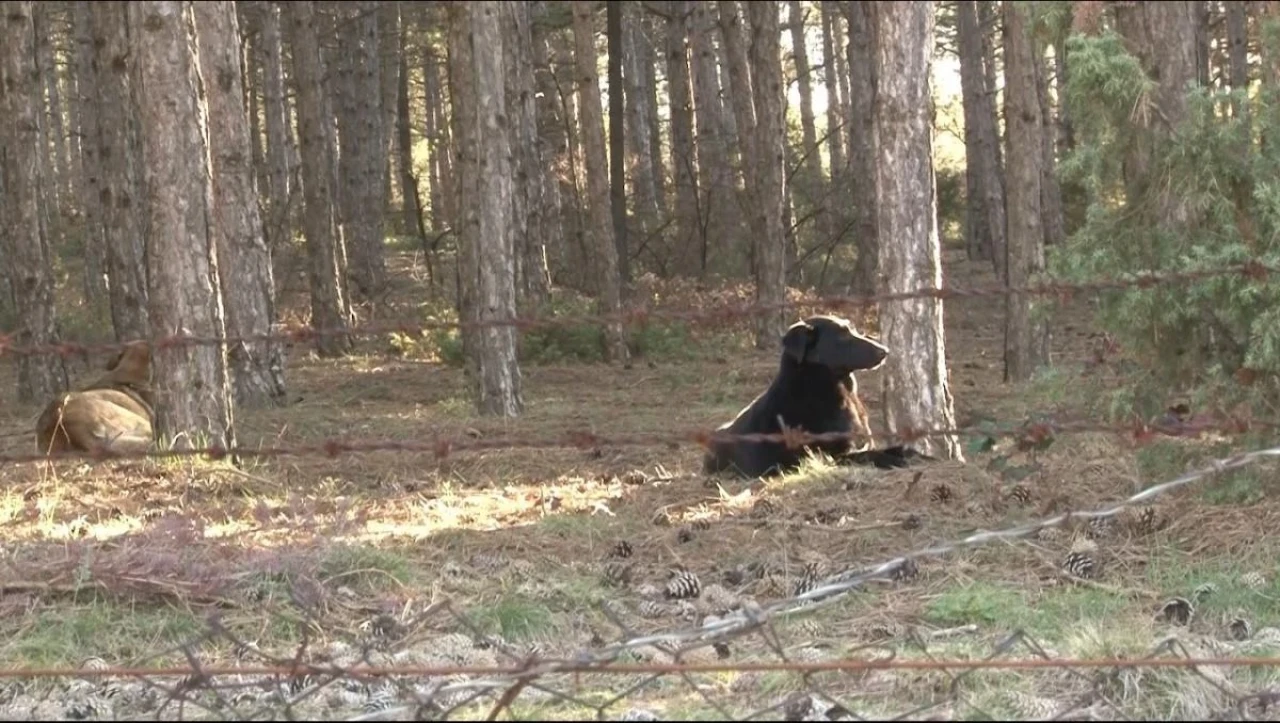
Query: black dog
{"x": 815, "y": 391}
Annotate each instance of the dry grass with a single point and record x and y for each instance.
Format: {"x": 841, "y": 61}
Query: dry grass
{"x": 124, "y": 560}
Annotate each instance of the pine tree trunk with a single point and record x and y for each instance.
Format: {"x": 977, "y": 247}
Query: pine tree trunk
{"x": 320, "y": 227}
{"x": 388, "y": 60}
{"x": 1163, "y": 37}
{"x": 738, "y": 70}
{"x": 835, "y": 100}
{"x": 412, "y": 219}
{"x": 638, "y": 95}
{"x": 248, "y": 287}
{"x": 917, "y": 393}
{"x": 191, "y": 385}
{"x": 484, "y": 154}
{"x": 768, "y": 165}
{"x": 985, "y": 203}
{"x": 592, "y": 121}
{"x": 437, "y": 146}
{"x": 687, "y": 240}
{"x": 362, "y": 147}
{"x": 1238, "y": 52}
{"x": 550, "y": 147}
{"x": 1026, "y": 339}
{"x": 26, "y": 250}
{"x": 617, "y": 143}
{"x": 528, "y": 210}
{"x": 279, "y": 142}
{"x": 863, "y": 153}
{"x": 57, "y": 174}
{"x": 715, "y": 182}
{"x": 121, "y": 190}
{"x": 649, "y": 64}
{"x": 1055, "y": 225}
{"x": 90, "y": 180}
{"x": 809, "y": 172}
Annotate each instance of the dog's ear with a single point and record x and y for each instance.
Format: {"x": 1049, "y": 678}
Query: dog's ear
{"x": 796, "y": 341}
{"x": 115, "y": 361}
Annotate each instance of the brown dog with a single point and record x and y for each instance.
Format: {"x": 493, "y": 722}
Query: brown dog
{"x": 111, "y": 414}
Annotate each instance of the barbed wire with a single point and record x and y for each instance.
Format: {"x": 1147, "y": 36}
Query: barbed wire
{"x": 1033, "y": 430}
{"x": 715, "y": 314}
{"x": 446, "y": 687}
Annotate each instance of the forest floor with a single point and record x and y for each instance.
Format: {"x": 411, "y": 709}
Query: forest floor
{"x": 128, "y": 562}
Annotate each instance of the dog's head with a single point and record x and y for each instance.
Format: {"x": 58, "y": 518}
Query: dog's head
{"x": 832, "y": 342}
{"x": 132, "y": 365}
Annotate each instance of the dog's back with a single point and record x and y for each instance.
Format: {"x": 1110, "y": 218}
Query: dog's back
{"x": 113, "y": 412}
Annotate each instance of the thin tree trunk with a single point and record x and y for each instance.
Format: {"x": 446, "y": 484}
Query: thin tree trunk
{"x": 90, "y": 185}
{"x": 684, "y": 162}
{"x": 465, "y": 120}
{"x": 437, "y": 148}
{"x": 809, "y": 173}
{"x": 606, "y": 250}
{"x": 248, "y": 287}
{"x": 649, "y": 64}
{"x": 26, "y": 249}
{"x": 732, "y": 22}
{"x": 320, "y": 227}
{"x": 279, "y": 141}
{"x": 984, "y": 197}
{"x": 617, "y": 143}
{"x": 917, "y": 393}
{"x": 715, "y": 184}
{"x": 1026, "y": 339}
{"x": 638, "y": 95}
{"x": 1055, "y": 228}
{"x": 387, "y": 58}
{"x": 528, "y": 209}
{"x": 411, "y": 204}
{"x": 549, "y": 145}
{"x": 861, "y": 49}
{"x": 1238, "y": 53}
{"x": 362, "y": 156}
{"x": 835, "y": 102}
{"x": 770, "y": 170}
{"x": 57, "y": 175}
{"x": 477, "y": 69}
{"x": 192, "y": 388}
{"x": 121, "y": 192}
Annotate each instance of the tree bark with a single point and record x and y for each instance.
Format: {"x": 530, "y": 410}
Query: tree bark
{"x": 437, "y": 143}
{"x": 247, "y": 283}
{"x": 329, "y": 310}
{"x": 649, "y": 64}
{"x": 637, "y": 95}
{"x": 362, "y": 148}
{"x": 617, "y": 142}
{"x": 57, "y": 173}
{"x": 1163, "y": 37}
{"x": 279, "y": 142}
{"x": 484, "y": 156}
{"x": 121, "y": 192}
{"x": 715, "y": 184}
{"x": 1026, "y": 339}
{"x": 738, "y": 70}
{"x": 411, "y": 204}
{"x": 770, "y": 171}
{"x": 984, "y": 187}
{"x": 1238, "y": 53}
{"x": 592, "y": 122}
{"x": 191, "y": 385}
{"x": 90, "y": 181}
{"x": 26, "y": 249}
{"x": 387, "y": 58}
{"x": 1055, "y": 225}
{"x": 809, "y": 172}
{"x": 917, "y": 393}
{"x": 835, "y": 100}
{"x": 861, "y": 50}
{"x": 687, "y": 239}
{"x": 529, "y": 209}
{"x": 551, "y": 149}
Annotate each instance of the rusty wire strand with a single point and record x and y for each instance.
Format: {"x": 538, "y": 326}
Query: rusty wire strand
{"x": 723, "y": 313}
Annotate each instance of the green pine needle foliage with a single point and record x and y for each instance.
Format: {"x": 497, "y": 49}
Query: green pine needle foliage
{"x": 1219, "y": 169}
